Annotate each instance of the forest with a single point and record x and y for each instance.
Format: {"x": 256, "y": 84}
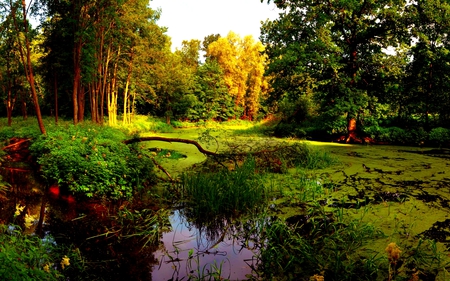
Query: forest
{"x": 369, "y": 70}
{"x": 319, "y": 151}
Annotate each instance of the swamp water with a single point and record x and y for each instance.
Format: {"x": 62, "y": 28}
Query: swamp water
{"x": 403, "y": 190}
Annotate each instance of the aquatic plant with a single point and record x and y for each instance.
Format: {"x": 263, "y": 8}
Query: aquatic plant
{"x": 316, "y": 244}
{"x": 227, "y": 193}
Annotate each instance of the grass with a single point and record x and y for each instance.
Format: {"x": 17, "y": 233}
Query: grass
{"x": 227, "y": 193}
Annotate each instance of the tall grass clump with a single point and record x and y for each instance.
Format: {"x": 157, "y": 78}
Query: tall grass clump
{"x": 308, "y": 157}
{"x": 316, "y": 244}
{"x": 227, "y": 193}
{"x": 320, "y": 244}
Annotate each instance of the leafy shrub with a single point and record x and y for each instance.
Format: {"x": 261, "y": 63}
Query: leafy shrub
{"x": 26, "y": 257}
{"x": 23, "y": 129}
{"x": 396, "y": 135}
{"x": 440, "y": 135}
{"x": 92, "y": 161}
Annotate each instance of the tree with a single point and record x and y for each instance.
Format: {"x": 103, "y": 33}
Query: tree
{"x": 190, "y": 53}
{"x": 211, "y": 98}
{"x": 171, "y": 80}
{"x": 9, "y": 62}
{"x": 23, "y": 38}
{"x": 330, "y": 47}
{"x": 428, "y": 83}
{"x": 243, "y": 68}
{"x": 208, "y": 40}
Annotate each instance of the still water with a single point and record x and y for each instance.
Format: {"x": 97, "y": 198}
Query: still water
{"x": 188, "y": 251}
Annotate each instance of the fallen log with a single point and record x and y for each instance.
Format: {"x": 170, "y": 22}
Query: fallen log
{"x": 196, "y": 144}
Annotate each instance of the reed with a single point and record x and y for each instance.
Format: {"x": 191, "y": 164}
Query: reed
{"x": 227, "y": 193}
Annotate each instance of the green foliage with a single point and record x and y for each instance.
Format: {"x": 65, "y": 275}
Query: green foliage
{"x": 27, "y": 257}
{"x": 225, "y": 192}
{"x": 333, "y": 51}
{"x": 22, "y": 129}
{"x": 396, "y": 135}
{"x": 440, "y": 135}
{"x": 316, "y": 244}
{"x": 210, "y": 99}
{"x": 160, "y": 126}
{"x": 92, "y": 161}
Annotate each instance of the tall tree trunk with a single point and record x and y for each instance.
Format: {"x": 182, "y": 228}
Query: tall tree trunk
{"x": 76, "y": 79}
{"x": 125, "y": 93}
{"x": 112, "y": 95}
{"x": 55, "y": 93}
{"x": 23, "y": 105}
{"x": 10, "y": 101}
{"x": 26, "y": 61}
{"x": 81, "y": 104}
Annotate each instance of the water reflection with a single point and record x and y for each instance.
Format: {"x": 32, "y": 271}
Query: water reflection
{"x": 197, "y": 250}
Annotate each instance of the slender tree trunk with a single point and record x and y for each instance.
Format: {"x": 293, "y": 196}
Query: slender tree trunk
{"x": 26, "y": 61}
{"x": 76, "y": 79}
{"x": 81, "y": 104}
{"x": 55, "y": 92}
{"x": 23, "y": 106}
{"x": 112, "y": 95}
{"x": 10, "y": 101}
{"x": 125, "y": 93}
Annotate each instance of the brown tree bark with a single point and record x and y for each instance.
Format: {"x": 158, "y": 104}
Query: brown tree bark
{"x": 26, "y": 61}
{"x": 55, "y": 93}
{"x": 76, "y": 79}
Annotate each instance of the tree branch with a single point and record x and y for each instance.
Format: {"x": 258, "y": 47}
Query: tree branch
{"x": 199, "y": 147}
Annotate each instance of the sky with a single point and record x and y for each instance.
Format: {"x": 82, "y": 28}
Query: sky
{"x": 195, "y": 19}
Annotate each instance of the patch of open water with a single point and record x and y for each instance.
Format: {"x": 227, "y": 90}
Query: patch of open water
{"x": 188, "y": 251}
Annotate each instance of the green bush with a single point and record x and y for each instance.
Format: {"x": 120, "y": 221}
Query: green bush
{"x": 396, "y": 135}
{"x": 26, "y": 257}
{"x": 92, "y": 161}
{"x": 440, "y": 135}
{"x": 23, "y": 129}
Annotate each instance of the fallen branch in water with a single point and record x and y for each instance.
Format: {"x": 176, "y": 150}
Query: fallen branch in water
{"x": 199, "y": 147}
{"x": 162, "y": 169}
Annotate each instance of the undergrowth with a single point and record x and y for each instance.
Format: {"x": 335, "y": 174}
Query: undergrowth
{"x": 92, "y": 161}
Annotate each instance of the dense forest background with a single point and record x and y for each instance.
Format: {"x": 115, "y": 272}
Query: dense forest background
{"x": 359, "y": 68}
